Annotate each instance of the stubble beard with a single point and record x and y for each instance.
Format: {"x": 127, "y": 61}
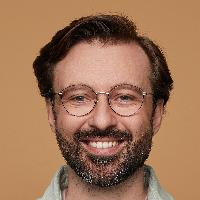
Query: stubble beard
{"x": 105, "y": 171}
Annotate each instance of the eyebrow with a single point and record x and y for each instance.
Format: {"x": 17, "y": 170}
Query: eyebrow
{"x": 112, "y": 87}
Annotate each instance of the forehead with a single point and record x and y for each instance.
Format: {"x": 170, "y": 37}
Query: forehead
{"x": 103, "y": 65}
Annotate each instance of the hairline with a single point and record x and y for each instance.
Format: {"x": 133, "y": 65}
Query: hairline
{"x": 109, "y": 42}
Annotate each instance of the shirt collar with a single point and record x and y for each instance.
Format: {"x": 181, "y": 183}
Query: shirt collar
{"x": 59, "y": 183}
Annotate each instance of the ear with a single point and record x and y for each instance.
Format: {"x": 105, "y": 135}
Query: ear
{"x": 50, "y": 112}
{"x": 158, "y": 115}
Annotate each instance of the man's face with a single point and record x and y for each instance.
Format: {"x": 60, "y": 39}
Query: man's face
{"x": 122, "y": 143}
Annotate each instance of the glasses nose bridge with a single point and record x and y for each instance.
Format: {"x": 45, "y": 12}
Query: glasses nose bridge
{"x": 103, "y": 102}
{"x": 105, "y": 93}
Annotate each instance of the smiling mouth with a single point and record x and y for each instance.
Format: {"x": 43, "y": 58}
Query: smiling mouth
{"x": 103, "y": 146}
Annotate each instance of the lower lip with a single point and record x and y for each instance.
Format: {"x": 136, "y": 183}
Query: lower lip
{"x": 103, "y": 152}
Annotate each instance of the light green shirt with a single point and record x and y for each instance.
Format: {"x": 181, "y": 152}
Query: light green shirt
{"x": 59, "y": 182}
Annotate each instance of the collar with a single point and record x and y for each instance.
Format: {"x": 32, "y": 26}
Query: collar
{"x": 59, "y": 183}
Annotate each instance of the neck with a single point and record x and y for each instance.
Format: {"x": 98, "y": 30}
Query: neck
{"x": 132, "y": 188}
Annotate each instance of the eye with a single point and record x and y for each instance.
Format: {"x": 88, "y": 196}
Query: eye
{"x": 125, "y": 98}
{"x": 78, "y": 99}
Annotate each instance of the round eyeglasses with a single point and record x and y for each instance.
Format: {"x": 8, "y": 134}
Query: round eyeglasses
{"x": 80, "y": 100}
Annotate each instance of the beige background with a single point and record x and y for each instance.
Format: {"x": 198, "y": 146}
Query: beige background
{"x": 29, "y": 155}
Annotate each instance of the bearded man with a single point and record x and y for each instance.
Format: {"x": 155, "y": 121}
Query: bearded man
{"x": 105, "y": 88}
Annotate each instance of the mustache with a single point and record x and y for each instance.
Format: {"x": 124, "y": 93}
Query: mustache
{"x": 82, "y": 135}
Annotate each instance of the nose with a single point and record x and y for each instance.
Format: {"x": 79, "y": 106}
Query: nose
{"x": 102, "y": 117}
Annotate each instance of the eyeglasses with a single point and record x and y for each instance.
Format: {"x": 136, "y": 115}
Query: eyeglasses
{"x": 80, "y": 100}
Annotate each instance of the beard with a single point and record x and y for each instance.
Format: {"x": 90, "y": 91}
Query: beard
{"x": 105, "y": 171}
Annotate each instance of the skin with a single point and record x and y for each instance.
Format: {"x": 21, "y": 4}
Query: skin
{"x": 101, "y": 67}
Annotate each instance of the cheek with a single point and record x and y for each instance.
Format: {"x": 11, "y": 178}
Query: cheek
{"x": 138, "y": 124}
{"x": 67, "y": 124}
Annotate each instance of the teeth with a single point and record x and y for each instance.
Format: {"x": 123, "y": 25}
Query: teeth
{"x": 103, "y": 145}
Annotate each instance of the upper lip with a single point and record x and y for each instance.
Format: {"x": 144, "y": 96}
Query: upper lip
{"x": 107, "y": 136}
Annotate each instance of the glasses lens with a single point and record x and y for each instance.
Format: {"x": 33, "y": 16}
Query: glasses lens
{"x": 126, "y": 100}
{"x": 78, "y": 100}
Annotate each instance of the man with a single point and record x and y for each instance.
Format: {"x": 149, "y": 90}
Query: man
{"x": 105, "y": 88}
